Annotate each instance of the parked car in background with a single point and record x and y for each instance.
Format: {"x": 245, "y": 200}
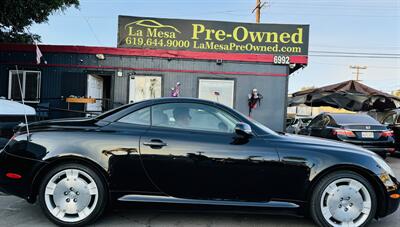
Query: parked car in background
{"x": 392, "y": 121}
{"x": 3, "y": 142}
{"x": 192, "y": 151}
{"x": 298, "y": 124}
{"x": 358, "y": 129}
{"x": 11, "y": 114}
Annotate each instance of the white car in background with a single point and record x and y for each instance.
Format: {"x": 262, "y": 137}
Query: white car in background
{"x": 298, "y": 123}
{"x": 11, "y": 114}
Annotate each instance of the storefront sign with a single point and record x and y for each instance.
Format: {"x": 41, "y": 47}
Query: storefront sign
{"x": 279, "y": 40}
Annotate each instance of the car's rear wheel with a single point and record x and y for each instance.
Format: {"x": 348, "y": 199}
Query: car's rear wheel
{"x": 343, "y": 198}
{"x": 72, "y": 195}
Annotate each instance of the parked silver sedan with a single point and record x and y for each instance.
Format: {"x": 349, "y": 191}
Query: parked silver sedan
{"x": 297, "y": 124}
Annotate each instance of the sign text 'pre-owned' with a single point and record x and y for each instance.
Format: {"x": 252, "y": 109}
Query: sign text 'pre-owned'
{"x": 212, "y": 36}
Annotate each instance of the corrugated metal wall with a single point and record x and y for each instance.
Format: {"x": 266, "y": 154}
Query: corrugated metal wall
{"x": 64, "y": 81}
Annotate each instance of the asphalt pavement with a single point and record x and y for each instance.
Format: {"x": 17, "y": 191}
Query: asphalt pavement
{"x": 17, "y": 212}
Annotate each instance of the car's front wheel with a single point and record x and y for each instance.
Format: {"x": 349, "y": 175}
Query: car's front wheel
{"x": 72, "y": 195}
{"x": 343, "y": 198}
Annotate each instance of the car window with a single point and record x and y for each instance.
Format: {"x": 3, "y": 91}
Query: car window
{"x": 363, "y": 119}
{"x": 193, "y": 116}
{"x": 332, "y": 122}
{"x": 138, "y": 117}
{"x": 316, "y": 122}
{"x": 389, "y": 120}
{"x": 305, "y": 121}
{"x": 325, "y": 121}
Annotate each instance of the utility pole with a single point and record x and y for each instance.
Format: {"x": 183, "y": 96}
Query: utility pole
{"x": 258, "y": 7}
{"x": 357, "y": 68}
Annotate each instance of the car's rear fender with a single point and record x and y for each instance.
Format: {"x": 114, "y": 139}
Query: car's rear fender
{"x": 55, "y": 161}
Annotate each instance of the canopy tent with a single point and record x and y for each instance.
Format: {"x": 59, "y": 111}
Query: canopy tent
{"x": 350, "y": 95}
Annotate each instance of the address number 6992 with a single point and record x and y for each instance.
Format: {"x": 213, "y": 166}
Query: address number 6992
{"x": 282, "y": 60}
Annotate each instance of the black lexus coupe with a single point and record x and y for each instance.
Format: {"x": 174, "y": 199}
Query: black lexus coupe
{"x": 191, "y": 151}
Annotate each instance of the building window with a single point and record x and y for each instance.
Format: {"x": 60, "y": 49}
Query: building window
{"x": 30, "y": 85}
{"x": 144, "y": 87}
{"x": 221, "y": 91}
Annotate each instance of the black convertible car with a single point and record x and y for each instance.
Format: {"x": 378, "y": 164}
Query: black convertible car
{"x": 191, "y": 151}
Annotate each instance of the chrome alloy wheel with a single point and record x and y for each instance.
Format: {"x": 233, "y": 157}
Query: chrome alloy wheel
{"x": 346, "y": 202}
{"x": 71, "y": 195}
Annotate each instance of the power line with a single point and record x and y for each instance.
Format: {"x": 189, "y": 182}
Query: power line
{"x": 372, "y": 46}
{"x": 286, "y": 13}
{"x": 352, "y": 56}
{"x": 370, "y": 66}
{"x": 357, "y": 53}
{"x": 92, "y": 30}
{"x": 336, "y": 5}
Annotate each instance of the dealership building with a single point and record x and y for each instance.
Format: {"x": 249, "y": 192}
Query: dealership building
{"x": 220, "y": 61}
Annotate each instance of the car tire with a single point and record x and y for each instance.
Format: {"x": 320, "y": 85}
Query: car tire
{"x": 73, "y": 195}
{"x": 343, "y": 197}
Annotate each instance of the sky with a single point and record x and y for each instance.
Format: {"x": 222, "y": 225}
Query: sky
{"x": 357, "y": 26}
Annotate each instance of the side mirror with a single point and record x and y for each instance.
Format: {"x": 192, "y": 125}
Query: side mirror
{"x": 243, "y": 129}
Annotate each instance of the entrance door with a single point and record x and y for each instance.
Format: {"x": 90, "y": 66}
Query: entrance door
{"x": 94, "y": 90}
{"x": 191, "y": 151}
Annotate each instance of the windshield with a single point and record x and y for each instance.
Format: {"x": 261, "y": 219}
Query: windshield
{"x": 305, "y": 121}
{"x": 262, "y": 127}
{"x": 258, "y": 124}
{"x": 112, "y": 111}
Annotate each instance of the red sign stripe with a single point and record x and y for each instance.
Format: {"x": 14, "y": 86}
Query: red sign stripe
{"x": 183, "y": 54}
{"x": 149, "y": 69}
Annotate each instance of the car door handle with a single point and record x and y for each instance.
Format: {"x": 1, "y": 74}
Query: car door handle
{"x": 155, "y": 143}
